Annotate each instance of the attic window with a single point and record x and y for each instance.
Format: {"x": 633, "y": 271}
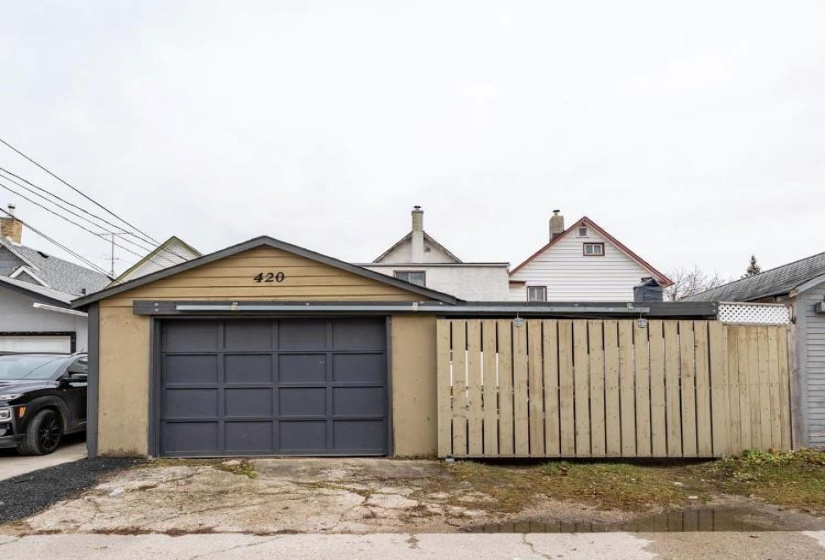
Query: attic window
{"x": 417, "y": 277}
{"x": 593, "y": 249}
{"x": 582, "y": 231}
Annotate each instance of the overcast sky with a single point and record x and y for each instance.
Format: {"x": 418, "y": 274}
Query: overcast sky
{"x": 693, "y": 132}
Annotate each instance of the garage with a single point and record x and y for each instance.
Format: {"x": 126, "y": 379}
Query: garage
{"x": 273, "y": 387}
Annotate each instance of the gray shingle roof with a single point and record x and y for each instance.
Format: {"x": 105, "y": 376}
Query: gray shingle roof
{"x": 775, "y": 282}
{"x": 62, "y": 276}
{"x": 37, "y": 289}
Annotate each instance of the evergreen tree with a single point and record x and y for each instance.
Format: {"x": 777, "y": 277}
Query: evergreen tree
{"x": 753, "y": 268}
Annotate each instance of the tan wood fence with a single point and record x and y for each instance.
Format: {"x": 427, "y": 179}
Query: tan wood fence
{"x": 611, "y": 388}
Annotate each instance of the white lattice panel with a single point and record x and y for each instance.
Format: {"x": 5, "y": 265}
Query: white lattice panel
{"x": 755, "y": 313}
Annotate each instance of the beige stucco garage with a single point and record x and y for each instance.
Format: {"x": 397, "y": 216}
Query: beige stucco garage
{"x": 263, "y": 348}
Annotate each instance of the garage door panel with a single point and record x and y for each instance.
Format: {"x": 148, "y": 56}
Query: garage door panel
{"x": 302, "y": 368}
{"x": 242, "y": 403}
{"x": 366, "y": 436}
{"x": 296, "y": 436}
{"x": 242, "y": 437}
{"x": 253, "y": 368}
{"x": 265, "y": 386}
{"x": 302, "y": 335}
{"x": 249, "y": 335}
{"x": 191, "y": 336}
{"x": 359, "y": 368}
{"x": 191, "y": 403}
{"x": 304, "y": 401}
{"x": 355, "y": 334}
{"x": 358, "y": 401}
{"x": 190, "y": 437}
{"x": 191, "y": 369}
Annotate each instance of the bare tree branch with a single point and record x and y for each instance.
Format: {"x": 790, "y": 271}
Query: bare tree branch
{"x": 688, "y": 282}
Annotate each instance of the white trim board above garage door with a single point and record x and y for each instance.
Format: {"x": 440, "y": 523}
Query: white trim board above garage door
{"x": 35, "y": 343}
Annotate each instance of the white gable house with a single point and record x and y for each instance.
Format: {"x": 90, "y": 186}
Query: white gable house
{"x": 582, "y": 263}
{"x": 420, "y": 259}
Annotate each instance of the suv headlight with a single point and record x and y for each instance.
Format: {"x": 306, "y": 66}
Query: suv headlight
{"x": 5, "y": 414}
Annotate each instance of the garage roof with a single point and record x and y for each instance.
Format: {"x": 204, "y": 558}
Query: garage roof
{"x": 264, "y": 241}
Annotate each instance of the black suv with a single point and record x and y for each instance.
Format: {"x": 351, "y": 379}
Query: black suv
{"x": 42, "y": 397}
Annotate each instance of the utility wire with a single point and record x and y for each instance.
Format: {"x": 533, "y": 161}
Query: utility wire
{"x": 60, "y": 245}
{"x": 72, "y": 212}
{"x": 122, "y": 230}
{"x": 81, "y": 193}
{"x": 62, "y": 217}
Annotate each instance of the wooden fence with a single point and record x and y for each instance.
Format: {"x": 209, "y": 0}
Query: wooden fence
{"x": 611, "y": 388}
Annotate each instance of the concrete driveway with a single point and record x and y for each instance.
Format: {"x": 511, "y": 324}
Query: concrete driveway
{"x": 12, "y": 464}
{"x": 420, "y": 546}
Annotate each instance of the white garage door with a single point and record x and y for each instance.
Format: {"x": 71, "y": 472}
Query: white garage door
{"x": 60, "y": 343}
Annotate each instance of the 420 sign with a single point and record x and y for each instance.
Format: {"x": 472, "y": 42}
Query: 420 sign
{"x": 268, "y": 277}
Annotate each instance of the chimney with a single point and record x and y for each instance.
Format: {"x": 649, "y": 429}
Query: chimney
{"x": 556, "y": 224}
{"x": 11, "y": 227}
{"x": 417, "y": 253}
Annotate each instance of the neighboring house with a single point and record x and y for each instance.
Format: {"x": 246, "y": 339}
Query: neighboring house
{"x": 171, "y": 252}
{"x": 420, "y": 259}
{"x": 801, "y": 286}
{"x": 36, "y": 290}
{"x": 583, "y": 263}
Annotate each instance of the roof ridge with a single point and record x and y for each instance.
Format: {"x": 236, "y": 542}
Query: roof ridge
{"x": 760, "y": 274}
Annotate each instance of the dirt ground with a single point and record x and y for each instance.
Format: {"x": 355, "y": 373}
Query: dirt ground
{"x": 278, "y": 496}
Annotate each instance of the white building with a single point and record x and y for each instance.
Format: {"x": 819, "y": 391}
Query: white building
{"x": 171, "y": 252}
{"x": 582, "y": 263}
{"x": 420, "y": 259}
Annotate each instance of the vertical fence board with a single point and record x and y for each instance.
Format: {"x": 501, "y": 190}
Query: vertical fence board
{"x": 732, "y": 358}
{"x": 444, "y": 388}
{"x": 673, "y": 413}
{"x": 704, "y": 446}
{"x": 596, "y": 343}
{"x": 764, "y": 387}
{"x": 536, "y": 387}
{"x": 745, "y": 421}
{"x": 642, "y": 360}
{"x": 613, "y": 425}
{"x": 566, "y": 410}
{"x": 687, "y": 353}
{"x": 627, "y": 389}
{"x": 784, "y": 388}
{"x": 552, "y": 441}
{"x": 773, "y": 373}
{"x": 754, "y": 394}
{"x": 721, "y": 426}
{"x": 490, "y": 393}
{"x": 475, "y": 441}
{"x": 520, "y": 408}
{"x": 505, "y": 388}
{"x": 581, "y": 368}
{"x": 459, "y": 389}
{"x": 658, "y": 423}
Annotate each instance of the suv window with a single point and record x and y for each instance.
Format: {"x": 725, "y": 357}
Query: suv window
{"x": 17, "y": 366}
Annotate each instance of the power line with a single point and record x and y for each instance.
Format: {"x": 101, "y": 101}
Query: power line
{"x": 81, "y": 193}
{"x": 151, "y": 243}
{"x": 62, "y": 217}
{"x": 60, "y": 245}
{"x": 73, "y": 213}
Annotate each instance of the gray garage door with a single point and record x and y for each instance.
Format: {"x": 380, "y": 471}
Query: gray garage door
{"x": 273, "y": 387}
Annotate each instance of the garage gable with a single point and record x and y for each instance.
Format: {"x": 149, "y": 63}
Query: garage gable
{"x": 265, "y": 269}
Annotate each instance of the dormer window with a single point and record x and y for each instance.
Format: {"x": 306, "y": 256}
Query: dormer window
{"x": 582, "y": 231}
{"x": 593, "y": 249}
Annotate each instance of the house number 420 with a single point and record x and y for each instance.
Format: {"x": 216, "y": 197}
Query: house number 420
{"x": 270, "y": 277}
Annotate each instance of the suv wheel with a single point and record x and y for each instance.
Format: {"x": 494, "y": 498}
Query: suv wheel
{"x": 43, "y": 434}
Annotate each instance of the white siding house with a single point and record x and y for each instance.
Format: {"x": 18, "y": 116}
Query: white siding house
{"x": 420, "y": 259}
{"x": 582, "y": 263}
{"x": 172, "y": 252}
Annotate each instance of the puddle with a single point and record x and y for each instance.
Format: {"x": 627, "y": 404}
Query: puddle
{"x": 709, "y": 520}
